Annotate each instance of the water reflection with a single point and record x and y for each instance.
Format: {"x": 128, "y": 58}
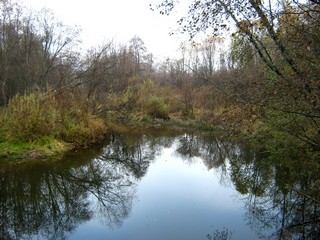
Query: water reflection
{"x": 213, "y": 152}
{"x": 50, "y": 200}
{"x": 281, "y": 194}
{"x": 135, "y": 151}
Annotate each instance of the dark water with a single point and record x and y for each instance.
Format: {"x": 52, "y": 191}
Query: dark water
{"x": 159, "y": 184}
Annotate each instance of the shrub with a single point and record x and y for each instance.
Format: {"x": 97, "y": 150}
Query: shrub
{"x": 158, "y": 108}
{"x": 28, "y": 117}
{"x": 82, "y": 131}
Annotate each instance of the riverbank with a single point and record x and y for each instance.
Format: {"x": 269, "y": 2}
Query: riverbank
{"x": 38, "y": 126}
{"x": 42, "y": 126}
{"x": 44, "y": 148}
{"x": 53, "y": 147}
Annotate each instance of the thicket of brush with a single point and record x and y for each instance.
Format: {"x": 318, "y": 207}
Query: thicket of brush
{"x": 56, "y": 123}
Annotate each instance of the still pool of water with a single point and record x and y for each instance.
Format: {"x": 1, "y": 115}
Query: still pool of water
{"x": 176, "y": 199}
{"x": 144, "y": 185}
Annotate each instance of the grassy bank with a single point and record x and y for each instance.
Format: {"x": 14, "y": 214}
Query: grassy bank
{"x": 42, "y": 126}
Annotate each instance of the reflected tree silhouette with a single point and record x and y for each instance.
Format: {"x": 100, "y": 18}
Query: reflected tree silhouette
{"x": 35, "y": 200}
{"x": 188, "y": 147}
{"x": 109, "y": 185}
{"x": 282, "y": 196}
{"x": 49, "y": 200}
{"x": 224, "y": 234}
{"x": 213, "y": 151}
{"x": 135, "y": 152}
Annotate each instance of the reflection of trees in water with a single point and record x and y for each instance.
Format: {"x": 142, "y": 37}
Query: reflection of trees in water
{"x": 212, "y": 151}
{"x": 188, "y": 147}
{"x": 35, "y": 199}
{"x": 135, "y": 151}
{"x": 50, "y": 200}
{"x": 224, "y": 234}
{"x": 110, "y": 186}
{"x": 282, "y": 197}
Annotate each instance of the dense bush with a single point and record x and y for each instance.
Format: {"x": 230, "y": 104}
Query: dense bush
{"x": 31, "y": 117}
{"x": 158, "y": 108}
{"x": 27, "y": 118}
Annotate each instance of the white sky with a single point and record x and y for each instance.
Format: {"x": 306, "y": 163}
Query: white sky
{"x": 118, "y": 20}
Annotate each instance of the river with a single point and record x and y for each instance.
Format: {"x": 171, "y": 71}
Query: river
{"x": 157, "y": 184}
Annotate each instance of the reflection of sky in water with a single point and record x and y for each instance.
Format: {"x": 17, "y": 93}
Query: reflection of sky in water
{"x": 176, "y": 199}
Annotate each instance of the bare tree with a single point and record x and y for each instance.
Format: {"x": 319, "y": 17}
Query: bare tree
{"x": 138, "y": 49}
{"x": 35, "y": 51}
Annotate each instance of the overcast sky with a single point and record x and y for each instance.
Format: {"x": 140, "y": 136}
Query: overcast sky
{"x": 120, "y": 20}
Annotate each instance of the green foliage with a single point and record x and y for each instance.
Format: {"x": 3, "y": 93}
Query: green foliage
{"x": 158, "y": 108}
{"x": 43, "y": 147}
{"x": 205, "y": 127}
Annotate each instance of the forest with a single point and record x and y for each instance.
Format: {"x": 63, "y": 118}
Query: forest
{"x": 263, "y": 88}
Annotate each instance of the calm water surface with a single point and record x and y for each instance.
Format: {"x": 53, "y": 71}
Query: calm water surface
{"x": 153, "y": 184}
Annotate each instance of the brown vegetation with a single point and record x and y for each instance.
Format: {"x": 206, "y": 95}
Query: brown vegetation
{"x": 266, "y": 88}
